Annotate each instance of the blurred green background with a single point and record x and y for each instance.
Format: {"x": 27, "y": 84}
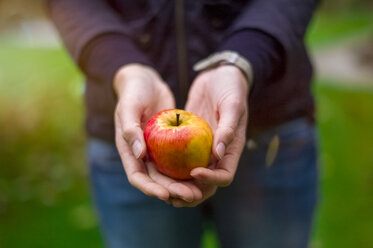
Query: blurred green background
{"x": 44, "y": 198}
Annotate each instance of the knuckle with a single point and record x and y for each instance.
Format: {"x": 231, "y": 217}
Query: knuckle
{"x": 128, "y": 132}
{"x": 178, "y": 205}
{"x": 228, "y": 131}
{"x": 192, "y": 205}
{"x": 236, "y": 104}
{"x": 131, "y": 181}
{"x": 227, "y": 181}
{"x": 146, "y": 192}
{"x": 119, "y": 107}
{"x": 117, "y": 116}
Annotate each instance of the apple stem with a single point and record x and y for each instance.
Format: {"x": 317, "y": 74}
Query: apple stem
{"x": 177, "y": 119}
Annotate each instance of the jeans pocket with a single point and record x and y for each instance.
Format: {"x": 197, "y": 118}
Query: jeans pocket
{"x": 295, "y": 163}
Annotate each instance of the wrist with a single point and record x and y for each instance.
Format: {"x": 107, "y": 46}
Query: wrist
{"x": 234, "y": 72}
{"x": 128, "y": 73}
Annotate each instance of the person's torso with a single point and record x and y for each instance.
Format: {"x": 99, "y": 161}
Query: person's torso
{"x": 155, "y": 29}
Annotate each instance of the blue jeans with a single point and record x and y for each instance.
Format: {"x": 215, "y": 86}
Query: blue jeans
{"x": 264, "y": 207}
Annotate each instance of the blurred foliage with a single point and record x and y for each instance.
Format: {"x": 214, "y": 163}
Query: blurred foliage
{"x": 345, "y": 5}
{"x": 345, "y": 121}
{"x": 43, "y": 191}
{"x": 331, "y": 27}
{"x": 40, "y": 124}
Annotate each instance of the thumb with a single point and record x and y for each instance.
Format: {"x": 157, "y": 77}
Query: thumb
{"x": 130, "y": 122}
{"x": 230, "y": 115}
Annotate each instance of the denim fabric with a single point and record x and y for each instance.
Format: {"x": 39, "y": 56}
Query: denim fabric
{"x": 265, "y": 207}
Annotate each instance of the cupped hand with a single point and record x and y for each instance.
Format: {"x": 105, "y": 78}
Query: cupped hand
{"x": 142, "y": 93}
{"x": 219, "y": 95}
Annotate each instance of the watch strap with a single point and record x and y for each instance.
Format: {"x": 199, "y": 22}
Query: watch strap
{"x": 226, "y": 57}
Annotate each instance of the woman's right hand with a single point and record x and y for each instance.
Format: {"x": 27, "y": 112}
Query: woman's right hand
{"x": 141, "y": 94}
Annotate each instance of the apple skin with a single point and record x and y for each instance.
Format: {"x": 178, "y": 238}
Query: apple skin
{"x": 176, "y": 150}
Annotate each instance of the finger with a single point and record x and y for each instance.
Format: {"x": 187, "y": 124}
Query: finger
{"x": 144, "y": 183}
{"x": 178, "y": 189}
{"x": 219, "y": 177}
{"x": 179, "y": 203}
{"x": 175, "y": 189}
{"x": 197, "y": 193}
{"x": 130, "y": 123}
{"x": 230, "y": 114}
{"x": 136, "y": 171}
{"x": 208, "y": 192}
{"x": 223, "y": 173}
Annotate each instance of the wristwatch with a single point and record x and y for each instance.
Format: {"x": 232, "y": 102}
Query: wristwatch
{"x": 226, "y": 57}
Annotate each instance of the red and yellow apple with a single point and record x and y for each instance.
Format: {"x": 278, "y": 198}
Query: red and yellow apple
{"x": 177, "y": 142}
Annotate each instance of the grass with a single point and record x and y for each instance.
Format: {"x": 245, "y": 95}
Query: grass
{"x": 345, "y": 121}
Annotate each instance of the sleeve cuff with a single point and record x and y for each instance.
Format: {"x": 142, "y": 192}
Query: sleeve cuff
{"x": 264, "y": 53}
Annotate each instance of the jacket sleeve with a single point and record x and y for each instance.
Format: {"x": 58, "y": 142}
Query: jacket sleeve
{"x": 95, "y": 36}
{"x": 270, "y": 33}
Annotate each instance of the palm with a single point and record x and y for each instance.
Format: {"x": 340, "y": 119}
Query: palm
{"x": 211, "y": 91}
{"x": 219, "y": 96}
{"x": 202, "y": 103}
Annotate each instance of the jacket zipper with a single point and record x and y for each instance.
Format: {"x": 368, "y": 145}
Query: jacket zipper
{"x": 181, "y": 54}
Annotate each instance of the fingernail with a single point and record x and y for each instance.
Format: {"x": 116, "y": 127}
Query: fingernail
{"x": 193, "y": 174}
{"x": 220, "y": 150}
{"x": 136, "y": 149}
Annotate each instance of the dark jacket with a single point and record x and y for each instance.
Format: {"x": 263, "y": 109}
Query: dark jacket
{"x": 104, "y": 35}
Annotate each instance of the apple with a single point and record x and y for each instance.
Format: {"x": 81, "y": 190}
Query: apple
{"x": 177, "y": 142}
